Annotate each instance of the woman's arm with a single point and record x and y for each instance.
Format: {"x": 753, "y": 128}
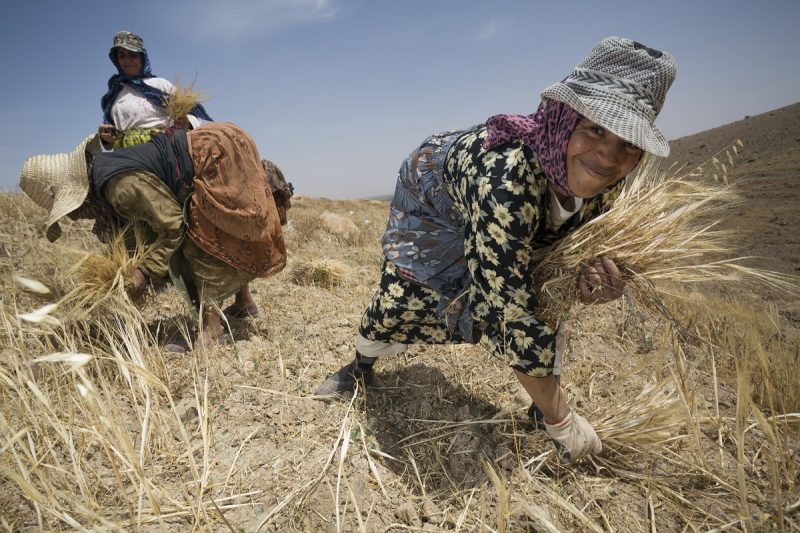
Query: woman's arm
{"x": 502, "y": 200}
{"x": 546, "y": 393}
{"x": 108, "y": 135}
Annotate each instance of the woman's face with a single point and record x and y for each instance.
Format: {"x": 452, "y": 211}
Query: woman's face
{"x": 129, "y": 62}
{"x": 597, "y": 159}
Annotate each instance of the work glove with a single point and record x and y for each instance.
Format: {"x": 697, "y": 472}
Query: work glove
{"x": 574, "y": 438}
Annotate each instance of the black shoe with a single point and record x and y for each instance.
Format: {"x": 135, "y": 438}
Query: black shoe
{"x": 344, "y": 380}
{"x": 536, "y": 417}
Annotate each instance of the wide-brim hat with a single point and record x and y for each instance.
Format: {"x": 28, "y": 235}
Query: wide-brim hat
{"x": 129, "y": 41}
{"x": 621, "y": 85}
{"x": 59, "y": 183}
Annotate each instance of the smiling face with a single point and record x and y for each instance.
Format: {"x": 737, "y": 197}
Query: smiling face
{"x": 597, "y": 159}
{"x": 129, "y": 62}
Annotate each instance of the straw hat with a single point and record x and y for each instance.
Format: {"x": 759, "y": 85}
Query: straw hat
{"x": 59, "y": 182}
{"x": 621, "y": 85}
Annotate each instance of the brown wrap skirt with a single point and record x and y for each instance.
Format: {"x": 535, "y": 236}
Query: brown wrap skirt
{"x": 232, "y": 215}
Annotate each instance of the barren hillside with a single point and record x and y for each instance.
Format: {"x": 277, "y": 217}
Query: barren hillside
{"x": 770, "y": 165}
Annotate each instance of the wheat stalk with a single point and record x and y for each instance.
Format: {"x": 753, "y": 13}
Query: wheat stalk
{"x": 321, "y": 273}
{"x": 181, "y": 101}
{"x": 662, "y": 228}
{"x": 100, "y": 279}
{"x": 654, "y": 417}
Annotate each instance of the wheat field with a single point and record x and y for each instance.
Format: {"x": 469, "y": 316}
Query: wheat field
{"x": 698, "y": 406}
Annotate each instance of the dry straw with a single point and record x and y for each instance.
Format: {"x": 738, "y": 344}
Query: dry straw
{"x": 181, "y": 101}
{"x": 664, "y": 227}
{"x": 100, "y": 279}
{"x": 321, "y": 273}
{"x": 107, "y": 444}
{"x": 656, "y": 416}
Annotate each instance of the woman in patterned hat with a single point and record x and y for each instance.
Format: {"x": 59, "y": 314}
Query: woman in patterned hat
{"x": 471, "y": 206}
{"x": 202, "y": 194}
{"x": 133, "y": 106}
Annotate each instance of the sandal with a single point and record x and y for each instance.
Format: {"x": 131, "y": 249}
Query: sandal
{"x": 236, "y": 311}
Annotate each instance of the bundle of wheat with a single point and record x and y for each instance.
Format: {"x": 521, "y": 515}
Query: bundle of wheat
{"x": 322, "y": 273}
{"x": 100, "y": 279}
{"x": 181, "y": 101}
{"x": 657, "y": 415}
{"x": 662, "y": 228}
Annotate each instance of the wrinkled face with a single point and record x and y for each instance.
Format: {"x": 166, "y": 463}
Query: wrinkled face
{"x": 129, "y": 62}
{"x": 597, "y": 159}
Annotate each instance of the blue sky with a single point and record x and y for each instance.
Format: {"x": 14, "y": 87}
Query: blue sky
{"x": 338, "y": 92}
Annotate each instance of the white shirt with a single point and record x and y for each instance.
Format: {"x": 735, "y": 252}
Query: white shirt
{"x": 132, "y": 110}
{"x": 558, "y": 215}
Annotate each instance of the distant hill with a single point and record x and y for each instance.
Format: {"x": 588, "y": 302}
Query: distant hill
{"x": 382, "y": 198}
{"x": 769, "y": 165}
{"x": 771, "y": 143}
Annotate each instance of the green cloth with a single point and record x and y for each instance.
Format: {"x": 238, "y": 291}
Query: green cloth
{"x": 135, "y": 136}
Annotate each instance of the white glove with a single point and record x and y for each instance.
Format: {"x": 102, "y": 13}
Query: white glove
{"x": 574, "y": 438}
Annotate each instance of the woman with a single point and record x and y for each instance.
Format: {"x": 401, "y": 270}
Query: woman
{"x": 134, "y": 111}
{"x": 203, "y": 195}
{"x": 133, "y": 107}
{"x": 471, "y": 206}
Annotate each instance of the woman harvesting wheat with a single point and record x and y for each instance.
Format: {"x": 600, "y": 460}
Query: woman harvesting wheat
{"x": 471, "y": 207}
{"x": 204, "y": 195}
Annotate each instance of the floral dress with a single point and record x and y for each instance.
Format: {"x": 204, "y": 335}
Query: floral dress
{"x": 459, "y": 246}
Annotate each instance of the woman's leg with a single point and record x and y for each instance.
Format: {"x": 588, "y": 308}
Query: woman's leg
{"x": 214, "y": 280}
{"x": 400, "y": 313}
{"x": 243, "y": 306}
{"x": 211, "y": 331}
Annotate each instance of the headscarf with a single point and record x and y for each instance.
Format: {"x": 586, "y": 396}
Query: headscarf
{"x": 547, "y": 132}
{"x": 155, "y": 96}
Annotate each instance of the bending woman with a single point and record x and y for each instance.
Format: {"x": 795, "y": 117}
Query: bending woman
{"x": 471, "y": 206}
{"x": 204, "y": 196}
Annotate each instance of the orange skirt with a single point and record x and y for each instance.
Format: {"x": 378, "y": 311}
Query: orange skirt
{"x": 232, "y": 215}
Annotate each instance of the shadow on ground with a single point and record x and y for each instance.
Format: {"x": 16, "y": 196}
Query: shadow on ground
{"x": 439, "y": 434}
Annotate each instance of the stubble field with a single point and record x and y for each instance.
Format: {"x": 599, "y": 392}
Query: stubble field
{"x": 130, "y": 437}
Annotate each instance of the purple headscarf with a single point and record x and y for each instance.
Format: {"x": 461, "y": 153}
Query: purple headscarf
{"x": 547, "y": 132}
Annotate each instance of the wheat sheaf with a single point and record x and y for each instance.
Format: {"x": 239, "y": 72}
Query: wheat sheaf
{"x": 664, "y": 228}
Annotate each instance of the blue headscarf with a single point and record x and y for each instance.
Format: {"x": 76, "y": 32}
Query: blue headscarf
{"x": 155, "y": 96}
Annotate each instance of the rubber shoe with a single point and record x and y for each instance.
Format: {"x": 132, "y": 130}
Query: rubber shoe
{"x": 344, "y": 380}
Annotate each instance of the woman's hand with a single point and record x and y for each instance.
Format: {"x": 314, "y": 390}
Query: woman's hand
{"x": 573, "y": 437}
{"x": 600, "y": 282}
{"x": 108, "y": 134}
{"x": 136, "y": 285}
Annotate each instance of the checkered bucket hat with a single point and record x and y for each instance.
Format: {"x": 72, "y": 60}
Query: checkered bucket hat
{"x": 59, "y": 183}
{"x": 621, "y": 85}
